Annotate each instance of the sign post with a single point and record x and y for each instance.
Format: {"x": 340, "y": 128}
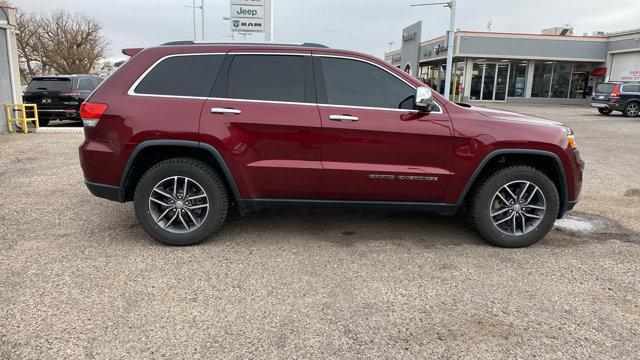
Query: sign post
{"x": 252, "y": 16}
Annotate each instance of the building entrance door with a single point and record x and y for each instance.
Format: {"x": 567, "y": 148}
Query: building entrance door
{"x": 491, "y": 81}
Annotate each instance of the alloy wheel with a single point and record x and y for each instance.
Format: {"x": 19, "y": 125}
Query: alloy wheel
{"x": 517, "y": 208}
{"x": 178, "y": 204}
{"x": 633, "y": 109}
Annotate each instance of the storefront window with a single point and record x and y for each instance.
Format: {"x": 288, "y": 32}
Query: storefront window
{"x": 560, "y": 80}
{"x": 518, "y": 79}
{"x": 476, "y": 80}
{"x": 542, "y": 73}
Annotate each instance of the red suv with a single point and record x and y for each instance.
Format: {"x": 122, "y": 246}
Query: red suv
{"x": 187, "y": 130}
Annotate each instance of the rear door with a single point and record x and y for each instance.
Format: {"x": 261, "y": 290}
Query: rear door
{"x": 375, "y": 146}
{"x": 263, "y": 118}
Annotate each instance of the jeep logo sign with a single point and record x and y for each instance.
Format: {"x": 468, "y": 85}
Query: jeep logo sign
{"x": 247, "y": 12}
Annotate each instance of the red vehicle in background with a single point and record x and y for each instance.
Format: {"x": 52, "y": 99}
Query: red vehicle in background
{"x": 187, "y": 130}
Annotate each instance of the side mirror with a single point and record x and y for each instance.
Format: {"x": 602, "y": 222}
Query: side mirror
{"x": 424, "y": 99}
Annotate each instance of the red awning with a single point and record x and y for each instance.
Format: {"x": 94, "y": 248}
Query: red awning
{"x": 599, "y": 71}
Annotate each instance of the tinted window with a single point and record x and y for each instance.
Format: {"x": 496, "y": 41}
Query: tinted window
{"x": 84, "y": 84}
{"x": 267, "y": 77}
{"x": 605, "y": 88}
{"x": 356, "y": 83}
{"x": 631, "y": 88}
{"x": 50, "y": 84}
{"x": 96, "y": 81}
{"x": 191, "y": 75}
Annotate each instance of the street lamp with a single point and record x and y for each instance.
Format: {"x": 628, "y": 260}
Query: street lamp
{"x": 451, "y": 4}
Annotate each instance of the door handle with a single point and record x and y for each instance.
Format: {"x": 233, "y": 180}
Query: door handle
{"x": 343, "y": 118}
{"x": 226, "y": 111}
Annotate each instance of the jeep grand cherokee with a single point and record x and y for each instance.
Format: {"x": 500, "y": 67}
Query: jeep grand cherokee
{"x": 186, "y": 130}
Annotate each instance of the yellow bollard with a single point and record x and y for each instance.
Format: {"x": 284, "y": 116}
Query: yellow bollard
{"x": 22, "y": 118}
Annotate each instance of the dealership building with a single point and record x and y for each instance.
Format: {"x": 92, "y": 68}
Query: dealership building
{"x": 9, "y": 77}
{"x": 554, "y": 66}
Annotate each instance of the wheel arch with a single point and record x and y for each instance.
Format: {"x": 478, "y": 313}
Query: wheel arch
{"x": 150, "y": 152}
{"x": 545, "y": 161}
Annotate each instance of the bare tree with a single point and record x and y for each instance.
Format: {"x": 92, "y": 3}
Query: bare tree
{"x": 5, "y": 3}
{"x": 72, "y": 43}
{"x": 60, "y": 41}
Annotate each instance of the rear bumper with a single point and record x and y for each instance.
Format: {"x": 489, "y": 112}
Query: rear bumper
{"x": 606, "y": 105}
{"x": 108, "y": 192}
{"x": 73, "y": 114}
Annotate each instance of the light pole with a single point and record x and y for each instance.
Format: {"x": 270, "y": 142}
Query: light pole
{"x": 194, "y": 7}
{"x": 451, "y": 4}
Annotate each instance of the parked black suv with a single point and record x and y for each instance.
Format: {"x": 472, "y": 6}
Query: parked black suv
{"x": 59, "y": 97}
{"x": 617, "y": 96}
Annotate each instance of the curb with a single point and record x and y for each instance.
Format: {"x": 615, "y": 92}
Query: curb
{"x": 59, "y": 130}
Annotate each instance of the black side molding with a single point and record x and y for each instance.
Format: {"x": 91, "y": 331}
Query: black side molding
{"x": 564, "y": 196}
{"x": 436, "y": 208}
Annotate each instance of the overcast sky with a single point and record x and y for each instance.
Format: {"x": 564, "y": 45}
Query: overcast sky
{"x": 361, "y": 25}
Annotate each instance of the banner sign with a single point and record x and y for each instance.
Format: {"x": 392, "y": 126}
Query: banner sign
{"x": 631, "y": 75}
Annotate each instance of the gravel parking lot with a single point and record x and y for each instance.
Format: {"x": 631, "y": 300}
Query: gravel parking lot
{"x": 79, "y": 278}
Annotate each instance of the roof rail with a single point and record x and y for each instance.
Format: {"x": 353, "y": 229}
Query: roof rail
{"x": 191, "y": 42}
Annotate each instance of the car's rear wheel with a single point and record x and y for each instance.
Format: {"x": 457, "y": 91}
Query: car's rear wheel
{"x": 604, "y": 111}
{"x": 181, "y": 201}
{"x": 515, "y": 207}
{"x": 632, "y": 109}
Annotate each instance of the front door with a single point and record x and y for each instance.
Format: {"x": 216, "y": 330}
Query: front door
{"x": 263, "y": 109}
{"x": 375, "y": 146}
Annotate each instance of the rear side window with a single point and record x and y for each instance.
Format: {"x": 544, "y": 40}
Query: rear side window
{"x": 84, "y": 84}
{"x": 356, "y": 83}
{"x": 605, "y": 88}
{"x": 631, "y": 88}
{"x": 267, "y": 77}
{"x": 50, "y": 84}
{"x": 188, "y": 75}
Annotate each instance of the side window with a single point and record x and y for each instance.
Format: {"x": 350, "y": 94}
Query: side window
{"x": 188, "y": 75}
{"x": 631, "y": 88}
{"x": 84, "y": 84}
{"x": 356, "y": 83}
{"x": 267, "y": 77}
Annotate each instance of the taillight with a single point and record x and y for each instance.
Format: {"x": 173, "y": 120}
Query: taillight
{"x": 615, "y": 93}
{"x": 91, "y": 113}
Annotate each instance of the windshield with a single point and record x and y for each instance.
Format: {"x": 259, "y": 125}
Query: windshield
{"x": 50, "y": 84}
{"x": 605, "y": 88}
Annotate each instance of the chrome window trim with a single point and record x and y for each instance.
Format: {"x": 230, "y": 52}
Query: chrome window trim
{"x": 132, "y": 92}
{"x": 440, "y": 111}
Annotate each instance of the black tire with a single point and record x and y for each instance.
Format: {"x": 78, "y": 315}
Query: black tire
{"x": 43, "y": 122}
{"x": 481, "y": 201}
{"x": 206, "y": 178}
{"x": 632, "y": 109}
{"x": 604, "y": 111}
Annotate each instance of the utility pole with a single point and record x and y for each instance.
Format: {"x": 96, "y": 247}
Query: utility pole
{"x": 390, "y": 46}
{"x": 451, "y": 4}
{"x": 202, "y": 18}
{"x": 194, "y": 7}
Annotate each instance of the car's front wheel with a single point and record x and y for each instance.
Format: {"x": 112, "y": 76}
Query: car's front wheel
{"x": 515, "y": 207}
{"x": 181, "y": 201}
{"x": 604, "y": 111}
